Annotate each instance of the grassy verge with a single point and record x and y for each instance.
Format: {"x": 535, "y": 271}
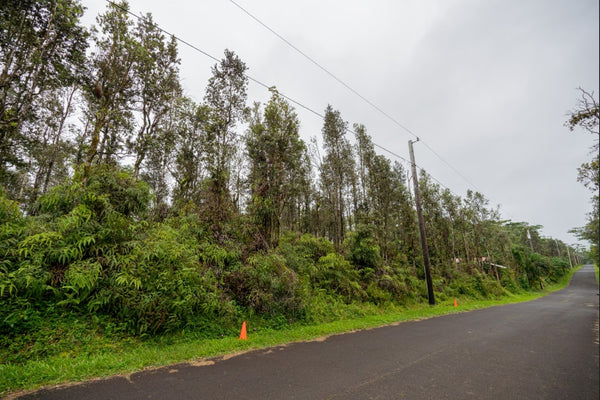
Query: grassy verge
{"x": 134, "y": 355}
{"x": 597, "y": 273}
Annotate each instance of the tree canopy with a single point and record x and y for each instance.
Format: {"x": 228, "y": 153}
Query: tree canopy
{"x": 586, "y": 116}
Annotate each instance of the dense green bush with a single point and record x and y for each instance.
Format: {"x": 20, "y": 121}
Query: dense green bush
{"x": 395, "y": 281}
{"x": 303, "y": 252}
{"x": 364, "y": 254}
{"x": 265, "y": 285}
{"x": 337, "y": 276}
{"x": 90, "y": 251}
{"x": 23, "y": 245}
{"x": 559, "y": 267}
{"x": 508, "y": 282}
{"x": 314, "y": 247}
{"x": 161, "y": 285}
{"x": 538, "y": 268}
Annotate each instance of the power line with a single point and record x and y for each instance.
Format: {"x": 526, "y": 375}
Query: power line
{"x": 453, "y": 169}
{"x": 395, "y": 121}
{"x": 258, "y": 82}
{"x": 141, "y": 18}
{"x": 322, "y": 68}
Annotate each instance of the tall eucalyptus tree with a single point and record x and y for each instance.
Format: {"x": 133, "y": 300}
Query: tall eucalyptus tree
{"x": 226, "y": 99}
{"x": 110, "y": 100}
{"x": 156, "y": 74}
{"x": 276, "y": 154}
{"x": 42, "y": 48}
{"x": 337, "y": 174}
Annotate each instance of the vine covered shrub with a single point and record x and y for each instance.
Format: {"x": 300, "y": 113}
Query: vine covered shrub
{"x": 267, "y": 286}
{"x": 392, "y": 280}
{"x": 90, "y": 250}
{"x": 9, "y": 210}
{"x": 508, "y": 282}
{"x": 107, "y": 189}
{"x": 559, "y": 267}
{"x": 337, "y": 276}
{"x": 161, "y": 286}
{"x": 313, "y": 247}
{"x": 363, "y": 252}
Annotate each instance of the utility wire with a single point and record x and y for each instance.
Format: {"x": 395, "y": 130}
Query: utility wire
{"x": 395, "y": 121}
{"x": 322, "y": 68}
{"x": 453, "y": 169}
{"x": 258, "y": 82}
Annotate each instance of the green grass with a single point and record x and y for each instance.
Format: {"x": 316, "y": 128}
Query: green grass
{"x": 597, "y": 273}
{"x": 130, "y": 355}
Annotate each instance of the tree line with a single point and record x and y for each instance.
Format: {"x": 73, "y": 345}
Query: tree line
{"x": 586, "y": 116}
{"x": 122, "y": 197}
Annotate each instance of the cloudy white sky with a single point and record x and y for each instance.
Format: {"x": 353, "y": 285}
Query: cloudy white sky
{"x": 486, "y": 83}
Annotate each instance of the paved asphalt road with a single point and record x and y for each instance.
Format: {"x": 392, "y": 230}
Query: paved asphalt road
{"x": 543, "y": 349}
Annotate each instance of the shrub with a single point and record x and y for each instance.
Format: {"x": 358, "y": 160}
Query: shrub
{"x": 337, "y": 276}
{"x": 161, "y": 286}
{"x": 558, "y": 267}
{"x": 107, "y": 190}
{"x": 507, "y": 281}
{"x": 23, "y": 246}
{"x": 218, "y": 258}
{"x": 88, "y": 243}
{"x": 363, "y": 252}
{"x": 378, "y": 295}
{"x": 462, "y": 285}
{"x": 9, "y": 210}
{"x": 393, "y": 281}
{"x": 313, "y": 247}
{"x": 266, "y": 286}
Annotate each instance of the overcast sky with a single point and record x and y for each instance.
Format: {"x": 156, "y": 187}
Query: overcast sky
{"x": 487, "y": 84}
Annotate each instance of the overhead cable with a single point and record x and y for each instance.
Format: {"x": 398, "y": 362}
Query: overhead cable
{"x": 258, "y": 82}
{"x": 347, "y": 86}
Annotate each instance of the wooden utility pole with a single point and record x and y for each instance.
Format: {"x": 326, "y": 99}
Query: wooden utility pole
{"x": 421, "y": 224}
{"x": 530, "y": 242}
{"x": 569, "y": 254}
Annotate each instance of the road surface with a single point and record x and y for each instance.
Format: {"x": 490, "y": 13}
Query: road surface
{"x": 543, "y": 349}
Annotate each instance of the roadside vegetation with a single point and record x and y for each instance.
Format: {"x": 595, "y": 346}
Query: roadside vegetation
{"x": 97, "y": 354}
{"x": 139, "y": 228}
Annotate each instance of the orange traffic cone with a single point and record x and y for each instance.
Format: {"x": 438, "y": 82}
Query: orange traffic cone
{"x": 455, "y": 303}
{"x": 243, "y": 335}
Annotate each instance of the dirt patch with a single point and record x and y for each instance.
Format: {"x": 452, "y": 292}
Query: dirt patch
{"x": 201, "y": 363}
{"x": 238, "y": 353}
